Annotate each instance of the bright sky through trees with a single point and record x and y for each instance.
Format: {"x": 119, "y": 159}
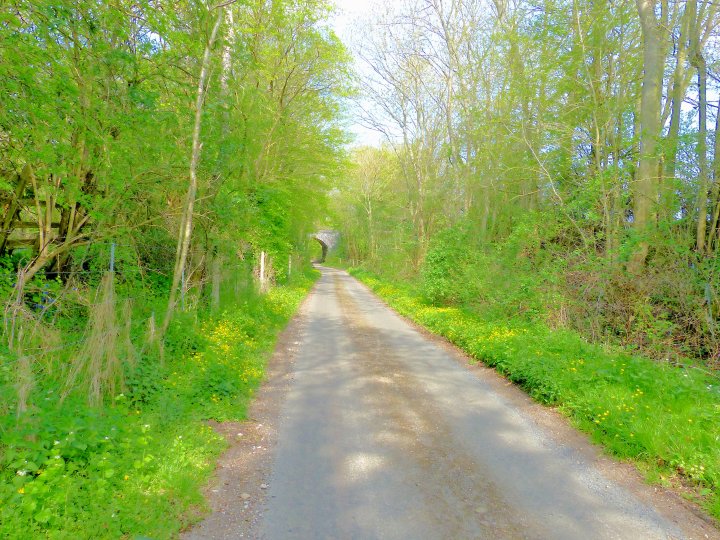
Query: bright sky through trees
{"x": 349, "y": 17}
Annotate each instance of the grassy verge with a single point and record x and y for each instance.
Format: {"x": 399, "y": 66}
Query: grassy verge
{"x": 665, "y": 418}
{"x": 135, "y": 469}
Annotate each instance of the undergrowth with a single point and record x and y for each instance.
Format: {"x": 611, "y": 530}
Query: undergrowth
{"x": 666, "y": 418}
{"x": 135, "y": 468}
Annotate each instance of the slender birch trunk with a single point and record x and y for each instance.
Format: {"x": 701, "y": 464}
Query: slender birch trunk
{"x": 715, "y": 196}
{"x": 186, "y": 224}
{"x": 698, "y": 61}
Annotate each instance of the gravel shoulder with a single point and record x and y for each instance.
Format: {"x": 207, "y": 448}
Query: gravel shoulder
{"x": 239, "y": 489}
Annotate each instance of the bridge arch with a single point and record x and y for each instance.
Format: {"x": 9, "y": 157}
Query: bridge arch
{"x": 328, "y": 241}
{"x": 324, "y": 248}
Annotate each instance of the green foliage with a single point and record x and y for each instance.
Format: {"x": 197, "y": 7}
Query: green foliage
{"x": 96, "y": 123}
{"x": 442, "y": 271}
{"x": 184, "y": 335}
{"x": 508, "y": 279}
{"x": 666, "y": 417}
{"x": 75, "y": 472}
{"x": 136, "y": 468}
{"x": 143, "y": 381}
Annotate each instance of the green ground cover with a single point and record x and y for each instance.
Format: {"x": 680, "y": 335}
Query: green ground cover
{"x": 136, "y": 468}
{"x": 665, "y": 418}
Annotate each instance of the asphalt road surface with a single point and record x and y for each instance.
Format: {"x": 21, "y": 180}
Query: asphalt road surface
{"x": 384, "y": 434}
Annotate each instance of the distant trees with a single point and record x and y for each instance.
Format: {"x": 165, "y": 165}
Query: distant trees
{"x": 592, "y": 121}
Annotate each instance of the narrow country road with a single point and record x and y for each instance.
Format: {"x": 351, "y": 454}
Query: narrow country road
{"x": 384, "y": 435}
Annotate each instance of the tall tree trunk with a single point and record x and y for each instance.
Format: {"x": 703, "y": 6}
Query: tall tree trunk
{"x": 186, "y": 223}
{"x": 676, "y": 96}
{"x": 263, "y": 273}
{"x": 698, "y": 61}
{"x": 216, "y": 282}
{"x": 712, "y": 240}
{"x": 646, "y": 179}
{"x": 702, "y": 155}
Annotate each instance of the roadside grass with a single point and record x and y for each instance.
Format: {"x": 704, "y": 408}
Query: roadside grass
{"x": 665, "y": 418}
{"x": 136, "y": 468}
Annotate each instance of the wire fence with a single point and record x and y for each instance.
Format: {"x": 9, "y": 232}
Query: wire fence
{"x": 99, "y": 311}
{"x": 85, "y": 292}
